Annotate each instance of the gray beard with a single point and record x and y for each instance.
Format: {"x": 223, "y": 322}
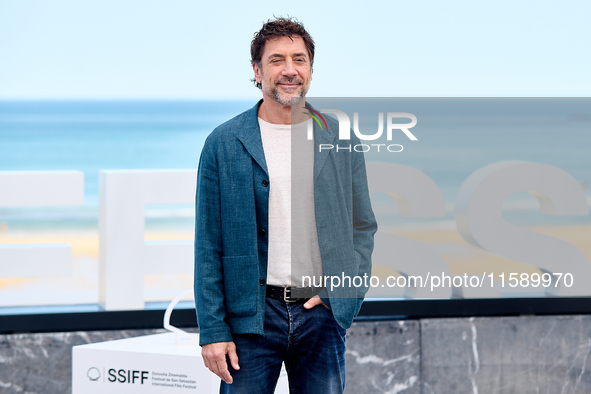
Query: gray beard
{"x": 286, "y": 101}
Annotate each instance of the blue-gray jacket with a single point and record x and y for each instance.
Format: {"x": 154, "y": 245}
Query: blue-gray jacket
{"x": 232, "y": 203}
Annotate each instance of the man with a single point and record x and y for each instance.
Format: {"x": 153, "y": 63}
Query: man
{"x": 253, "y": 308}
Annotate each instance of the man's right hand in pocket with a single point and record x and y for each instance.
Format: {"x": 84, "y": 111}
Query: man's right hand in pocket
{"x": 214, "y": 358}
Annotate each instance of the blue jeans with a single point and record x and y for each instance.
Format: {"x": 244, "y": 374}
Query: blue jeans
{"x": 309, "y": 341}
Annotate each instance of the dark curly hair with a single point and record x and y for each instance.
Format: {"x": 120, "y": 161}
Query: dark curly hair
{"x": 279, "y": 27}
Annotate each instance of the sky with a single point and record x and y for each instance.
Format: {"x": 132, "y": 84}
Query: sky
{"x": 187, "y": 49}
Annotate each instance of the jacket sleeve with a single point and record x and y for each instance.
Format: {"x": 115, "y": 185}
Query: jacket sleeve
{"x": 364, "y": 221}
{"x": 364, "y": 226}
{"x": 209, "y": 281}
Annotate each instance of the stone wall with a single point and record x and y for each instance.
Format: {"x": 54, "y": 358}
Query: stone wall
{"x": 509, "y": 355}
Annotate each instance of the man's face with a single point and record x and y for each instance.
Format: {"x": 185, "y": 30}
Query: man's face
{"x": 285, "y": 71}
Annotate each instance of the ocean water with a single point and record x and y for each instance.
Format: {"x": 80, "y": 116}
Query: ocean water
{"x": 456, "y": 137}
{"x": 89, "y": 136}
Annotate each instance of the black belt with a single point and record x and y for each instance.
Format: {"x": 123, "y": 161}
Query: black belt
{"x": 292, "y": 294}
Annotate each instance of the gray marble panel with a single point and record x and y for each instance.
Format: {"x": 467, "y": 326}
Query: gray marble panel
{"x": 507, "y": 355}
{"x": 42, "y": 363}
{"x": 383, "y": 357}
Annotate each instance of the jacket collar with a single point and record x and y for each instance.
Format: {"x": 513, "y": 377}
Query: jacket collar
{"x": 250, "y": 136}
{"x": 322, "y": 136}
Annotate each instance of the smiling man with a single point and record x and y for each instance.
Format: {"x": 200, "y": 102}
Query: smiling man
{"x": 262, "y": 225}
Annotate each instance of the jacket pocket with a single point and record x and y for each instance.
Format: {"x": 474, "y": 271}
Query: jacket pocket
{"x": 240, "y": 285}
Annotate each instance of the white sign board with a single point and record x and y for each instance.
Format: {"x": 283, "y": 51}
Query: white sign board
{"x": 148, "y": 364}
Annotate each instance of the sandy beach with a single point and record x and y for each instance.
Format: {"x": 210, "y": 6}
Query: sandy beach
{"x": 82, "y": 286}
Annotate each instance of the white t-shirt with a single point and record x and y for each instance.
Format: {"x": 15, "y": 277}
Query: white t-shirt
{"x": 293, "y": 238}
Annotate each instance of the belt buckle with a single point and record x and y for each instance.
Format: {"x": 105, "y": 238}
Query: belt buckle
{"x": 285, "y": 290}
